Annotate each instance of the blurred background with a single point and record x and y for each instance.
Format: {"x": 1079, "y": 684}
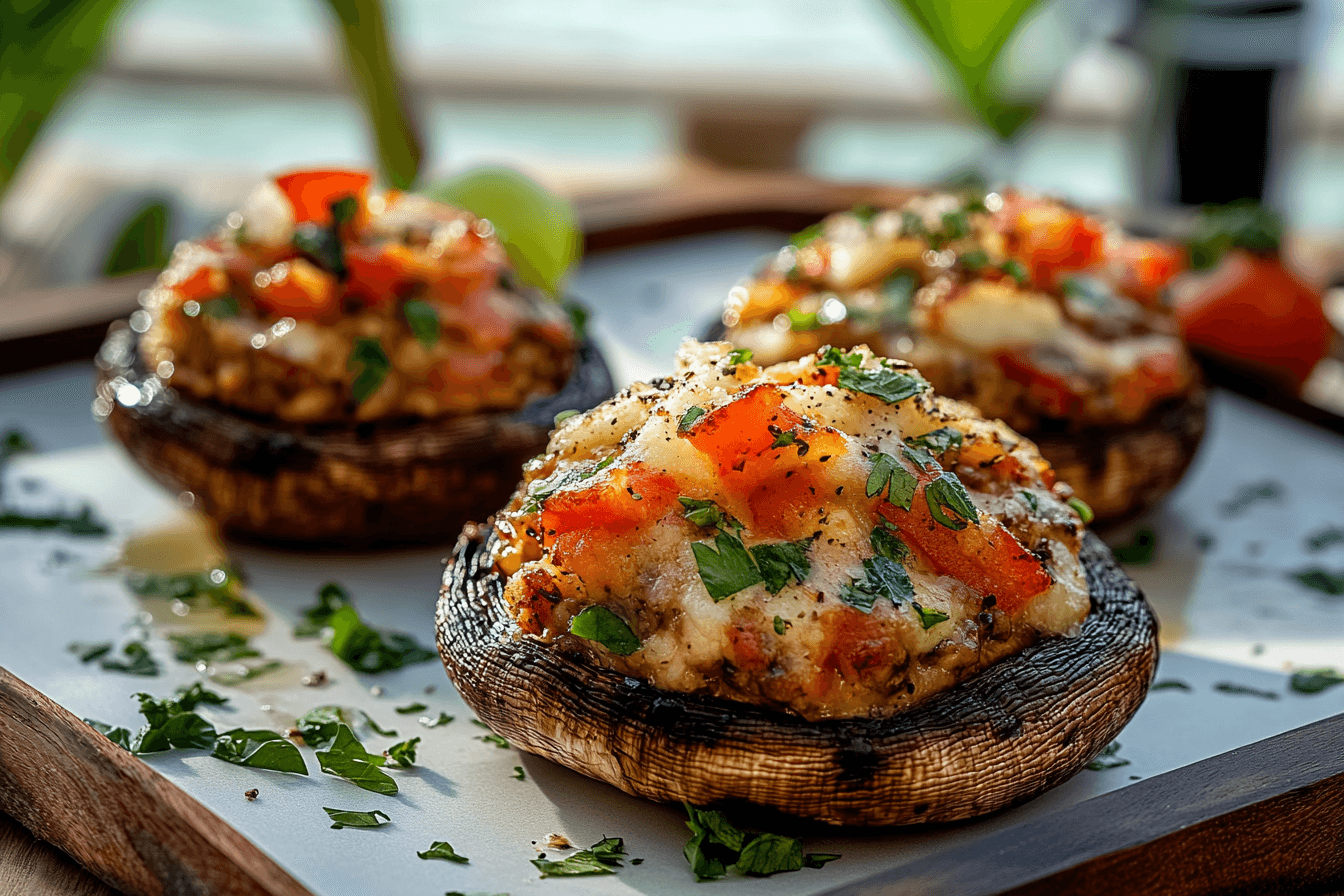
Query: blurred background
{"x": 190, "y": 101}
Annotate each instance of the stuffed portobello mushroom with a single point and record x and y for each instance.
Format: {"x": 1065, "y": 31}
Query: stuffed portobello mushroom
{"x": 813, "y": 586}
{"x": 1048, "y": 318}
{"x": 345, "y": 365}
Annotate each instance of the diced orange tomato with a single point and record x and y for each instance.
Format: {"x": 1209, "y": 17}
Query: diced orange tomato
{"x": 1144, "y": 267}
{"x": 377, "y": 274}
{"x": 855, "y": 642}
{"x": 984, "y": 555}
{"x": 777, "y": 489}
{"x": 311, "y": 193}
{"x": 205, "y": 283}
{"x": 619, "y": 501}
{"x": 747, "y": 645}
{"x": 1052, "y": 240}
{"x": 298, "y": 289}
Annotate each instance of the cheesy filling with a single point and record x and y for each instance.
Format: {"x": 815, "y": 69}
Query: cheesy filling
{"x": 824, "y": 537}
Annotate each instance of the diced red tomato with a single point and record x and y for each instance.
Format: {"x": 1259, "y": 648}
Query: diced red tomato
{"x": 205, "y": 283}
{"x": 311, "y": 193}
{"x": 1145, "y": 267}
{"x": 619, "y": 502}
{"x": 855, "y": 642}
{"x": 1253, "y": 309}
{"x": 986, "y": 556}
{"x": 1051, "y": 392}
{"x": 740, "y": 433}
{"x": 747, "y": 645}
{"x": 297, "y": 289}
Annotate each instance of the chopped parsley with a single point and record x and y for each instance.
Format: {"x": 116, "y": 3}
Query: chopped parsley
{"x": 955, "y": 226}
{"x": 888, "y": 475}
{"x": 806, "y": 235}
{"x": 360, "y": 646}
{"x": 831, "y": 356}
{"x": 320, "y": 245}
{"x": 411, "y": 708}
{"x": 1108, "y": 759}
{"x": 370, "y": 365}
{"x": 717, "y": 846}
{"x": 1081, "y": 508}
{"x": 883, "y": 577}
{"x": 348, "y": 818}
{"x": 190, "y": 696}
{"x": 937, "y": 442}
{"x": 134, "y": 659}
{"x": 946, "y": 493}
{"x": 1140, "y": 549}
{"x": 883, "y": 383}
{"x": 423, "y": 321}
{"x": 259, "y": 749}
{"x": 170, "y": 724}
{"x": 1016, "y": 270}
{"x": 1319, "y": 541}
{"x": 1248, "y": 495}
{"x": 928, "y": 618}
{"x": 375, "y": 727}
{"x": 778, "y": 563}
{"x": 603, "y": 857}
{"x": 518, "y": 773}
{"x": 1032, "y": 501}
{"x": 606, "y": 628}
{"x": 887, "y": 543}
{"x": 784, "y": 439}
{"x": 345, "y": 757}
{"x": 496, "y": 739}
{"x": 403, "y": 752}
{"x": 1313, "y": 681}
{"x": 221, "y": 308}
{"x": 706, "y": 513}
{"x": 442, "y": 849}
{"x": 693, "y": 413}
{"x": 727, "y": 570}
{"x": 219, "y": 586}
{"x": 740, "y": 356}
{"x": 974, "y": 260}
{"x": 1171, "y": 684}
{"x": 563, "y": 416}
{"x": 802, "y": 321}
{"x": 1318, "y": 579}
{"x": 780, "y": 625}
{"x": 1243, "y": 224}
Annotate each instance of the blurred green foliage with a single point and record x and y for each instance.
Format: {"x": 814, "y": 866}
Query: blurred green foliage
{"x": 142, "y": 243}
{"x": 969, "y": 37}
{"x": 1244, "y": 224}
{"x": 539, "y": 229}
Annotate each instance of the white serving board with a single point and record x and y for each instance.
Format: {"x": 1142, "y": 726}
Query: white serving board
{"x": 464, "y": 791}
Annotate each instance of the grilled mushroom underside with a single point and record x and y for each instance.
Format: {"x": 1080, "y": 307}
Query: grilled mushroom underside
{"x": 1010, "y": 732}
{"x": 359, "y": 486}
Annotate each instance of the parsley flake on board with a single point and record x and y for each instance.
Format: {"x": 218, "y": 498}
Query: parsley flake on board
{"x": 259, "y": 749}
{"x": 360, "y": 646}
{"x": 135, "y": 659}
{"x": 170, "y": 725}
{"x": 496, "y": 739}
{"x": 1318, "y": 579}
{"x": 606, "y": 628}
{"x": 423, "y": 321}
{"x": 519, "y": 773}
{"x": 411, "y": 708}
{"x": 603, "y": 857}
{"x": 442, "y": 720}
{"x": 211, "y": 647}
{"x": 888, "y": 475}
{"x": 442, "y": 849}
{"x": 119, "y": 736}
{"x": 1313, "y": 681}
{"x": 946, "y": 493}
{"x": 1228, "y": 687}
{"x": 727, "y": 570}
{"x": 218, "y": 586}
{"x": 403, "y": 753}
{"x": 717, "y": 846}
{"x": 1107, "y": 759}
{"x": 1250, "y": 494}
{"x": 888, "y": 385}
{"x": 349, "y": 818}
{"x": 346, "y": 758}
{"x": 740, "y": 356}
{"x": 1323, "y": 539}
{"x": 1170, "y": 684}
{"x": 85, "y": 522}
{"x": 88, "y": 651}
{"x": 190, "y": 696}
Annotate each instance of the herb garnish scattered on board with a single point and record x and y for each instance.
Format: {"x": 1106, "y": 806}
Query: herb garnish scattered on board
{"x": 357, "y": 644}
{"x": 717, "y": 846}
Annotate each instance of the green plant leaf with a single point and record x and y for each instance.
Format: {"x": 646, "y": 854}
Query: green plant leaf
{"x": 403, "y": 753}
{"x": 539, "y": 230}
{"x": 606, "y": 628}
{"x": 259, "y": 749}
{"x": 442, "y": 849}
{"x": 142, "y": 243}
{"x": 349, "y": 818}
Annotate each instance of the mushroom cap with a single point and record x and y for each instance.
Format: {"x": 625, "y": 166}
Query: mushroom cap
{"x": 356, "y": 486}
{"x": 1019, "y": 727}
